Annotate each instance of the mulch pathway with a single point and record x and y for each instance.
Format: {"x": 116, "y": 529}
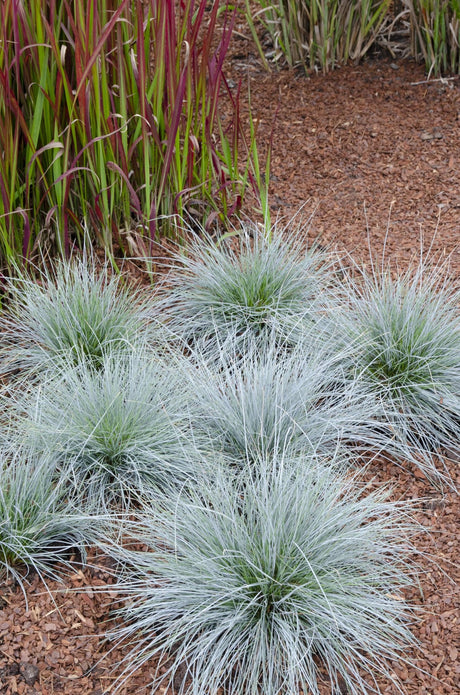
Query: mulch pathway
{"x": 371, "y": 153}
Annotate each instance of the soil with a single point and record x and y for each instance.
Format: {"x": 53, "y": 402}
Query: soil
{"x": 369, "y": 155}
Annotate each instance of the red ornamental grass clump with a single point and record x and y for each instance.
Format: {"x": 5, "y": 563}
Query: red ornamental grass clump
{"x": 110, "y": 121}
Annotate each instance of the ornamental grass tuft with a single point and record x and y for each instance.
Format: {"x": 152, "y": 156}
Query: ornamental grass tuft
{"x": 113, "y": 430}
{"x": 75, "y": 312}
{"x": 284, "y": 581}
{"x": 320, "y": 33}
{"x": 245, "y": 287}
{"x": 276, "y": 400}
{"x": 39, "y": 524}
{"x": 406, "y": 331}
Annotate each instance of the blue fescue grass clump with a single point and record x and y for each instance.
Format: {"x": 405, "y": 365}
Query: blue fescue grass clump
{"x": 75, "y": 312}
{"x": 271, "y": 400}
{"x": 268, "y": 584}
{"x": 112, "y": 430}
{"x": 245, "y": 287}
{"x": 266, "y": 567}
{"x": 406, "y": 330}
{"x": 39, "y": 523}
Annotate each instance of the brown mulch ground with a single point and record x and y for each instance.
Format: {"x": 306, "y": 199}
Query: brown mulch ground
{"x": 366, "y": 150}
{"x": 369, "y": 152}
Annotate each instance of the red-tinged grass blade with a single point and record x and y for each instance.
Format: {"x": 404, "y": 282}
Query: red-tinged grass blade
{"x": 100, "y": 44}
{"x": 173, "y": 129}
{"x": 111, "y": 113}
{"x": 134, "y": 197}
{"x": 12, "y": 104}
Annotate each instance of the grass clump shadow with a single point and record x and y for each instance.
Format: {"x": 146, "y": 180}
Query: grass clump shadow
{"x": 272, "y": 584}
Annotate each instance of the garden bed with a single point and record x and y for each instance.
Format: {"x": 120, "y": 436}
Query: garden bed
{"x": 373, "y": 151}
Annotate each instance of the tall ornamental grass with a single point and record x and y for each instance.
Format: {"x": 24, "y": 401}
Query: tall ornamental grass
{"x": 74, "y": 312}
{"x": 109, "y": 122}
{"x": 406, "y": 331}
{"x": 251, "y": 286}
{"x": 270, "y": 586}
{"x": 435, "y": 34}
{"x": 321, "y": 33}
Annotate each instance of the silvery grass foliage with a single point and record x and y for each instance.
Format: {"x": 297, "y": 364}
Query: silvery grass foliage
{"x": 274, "y": 584}
{"x": 39, "y": 524}
{"x": 406, "y": 330}
{"x": 246, "y": 287}
{"x": 77, "y": 311}
{"x": 273, "y": 400}
{"x": 112, "y": 430}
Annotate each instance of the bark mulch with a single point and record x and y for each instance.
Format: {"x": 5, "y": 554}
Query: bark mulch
{"x": 370, "y": 153}
{"x": 56, "y": 645}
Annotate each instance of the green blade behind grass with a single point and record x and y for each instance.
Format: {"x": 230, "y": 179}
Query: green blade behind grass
{"x": 321, "y": 33}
